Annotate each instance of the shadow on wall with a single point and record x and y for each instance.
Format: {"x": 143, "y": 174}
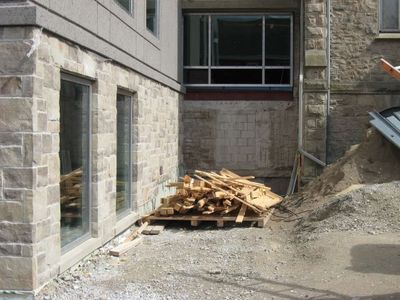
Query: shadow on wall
{"x": 378, "y": 258}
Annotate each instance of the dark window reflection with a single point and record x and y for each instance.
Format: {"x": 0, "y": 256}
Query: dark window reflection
{"x": 277, "y": 41}
{"x": 236, "y": 41}
{"x": 278, "y": 76}
{"x": 152, "y": 15}
{"x": 124, "y": 109}
{"x": 233, "y": 76}
{"x": 196, "y": 40}
{"x": 196, "y": 76}
{"x": 390, "y": 15}
{"x": 125, "y": 4}
{"x": 74, "y": 158}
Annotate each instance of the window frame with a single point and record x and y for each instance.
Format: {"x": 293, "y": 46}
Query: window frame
{"x": 131, "y": 7}
{"x": 381, "y": 29}
{"x": 65, "y": 76}
{"x": 263, "y": 67}
{"x": 130, "y": 97}
{"x": 155, "y": 33}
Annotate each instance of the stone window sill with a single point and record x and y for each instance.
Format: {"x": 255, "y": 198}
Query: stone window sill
{"x": 206, "y": 95}
{"x": 388, "y": 36}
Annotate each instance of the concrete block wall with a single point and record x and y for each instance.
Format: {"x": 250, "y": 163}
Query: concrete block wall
{"x": 252, "y": 137}
{"x": 30, "y": 251}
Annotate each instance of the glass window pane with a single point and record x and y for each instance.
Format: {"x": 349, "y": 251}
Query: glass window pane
{"x": 124, "y": 108}
{"x": 236, "y": 76}
{"x": 277, "y": 40}
{"x": 196, "y": 41}
{"x": 196, "y": 76}
{"x": 74, "y": 154}
{"x": 277, "y": 76}
{"x": 236, "y": 41}
{"x": 390, "y": 14}
{"x": 152, "y": 15}
{"x": 125, "y": 4}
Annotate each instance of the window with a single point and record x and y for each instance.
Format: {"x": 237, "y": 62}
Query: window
{"x": 238, "y": 50}
{"x": 152, "y": 16}
{"x": 390, "y": 15}
{"x": 74, "y": 158}
{"x": 124, "y": 157}
{"x": 126, "y": 4}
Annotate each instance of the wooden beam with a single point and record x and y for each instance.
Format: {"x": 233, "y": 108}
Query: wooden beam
{"x": 393, "y": 71}
{"x": 137, "y": 232}
{"x": 242, "y": 212}
{"x": 229, "y": 194}
{"x": 125, "y": 247}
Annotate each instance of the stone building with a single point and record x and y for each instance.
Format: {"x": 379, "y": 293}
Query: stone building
{"x": 102, "y": 102}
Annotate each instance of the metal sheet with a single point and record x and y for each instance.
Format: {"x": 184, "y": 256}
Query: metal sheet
{"x": 388, "y": 123}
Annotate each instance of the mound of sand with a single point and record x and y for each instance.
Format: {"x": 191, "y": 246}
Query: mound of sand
{"x": 376, "y": 160}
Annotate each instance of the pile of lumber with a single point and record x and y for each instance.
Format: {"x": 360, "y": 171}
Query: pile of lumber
{"x": 220, "y": 193}
{"x": 70, "y": 188}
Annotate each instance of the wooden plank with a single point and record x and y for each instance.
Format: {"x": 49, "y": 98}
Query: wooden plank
{"x": 242, "y": 212}
{"x": 205, "y": 218}
{"x": 393, "y": 71}
{"x": 229, "y": 194}
{"x": 262, "y": 222}
{"x": 137, "y": 232}
{"x": 125, "y": 247}
{"x": 220, "y": 223}
{"x": 265, "y": 202}
{"x": 154, "y": 229}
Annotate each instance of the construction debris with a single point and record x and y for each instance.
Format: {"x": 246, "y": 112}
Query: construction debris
{"x": 70, "y": 188}
{"x": 219, "y": 196}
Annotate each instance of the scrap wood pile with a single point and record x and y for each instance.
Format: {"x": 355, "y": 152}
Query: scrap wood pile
{"x": 210, "y": 193}
{"x": 70, "y": 188}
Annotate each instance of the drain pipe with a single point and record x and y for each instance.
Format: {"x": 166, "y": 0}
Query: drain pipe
{"x": 328, "y": 77}
{"x": 301, "y": 97}
{"x": 300, "y": 133}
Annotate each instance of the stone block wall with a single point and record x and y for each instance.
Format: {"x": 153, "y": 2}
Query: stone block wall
{"x": 252, "y": 137}
{"x": 30, "y": 251}
{"x": 315, "y": 85}
{"x": 359, "y": 85}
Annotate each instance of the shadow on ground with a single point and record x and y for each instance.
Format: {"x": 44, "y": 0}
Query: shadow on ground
{"x": 284, "y": 290}
{"x": 376, "y": 258}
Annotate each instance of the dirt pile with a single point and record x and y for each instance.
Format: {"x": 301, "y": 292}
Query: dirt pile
{"x": 360, "y": 192}
{"x": 374, "y": 161}
{"x": 368, "y": 208}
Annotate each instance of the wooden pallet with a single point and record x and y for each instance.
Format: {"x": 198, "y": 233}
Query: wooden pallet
{"x": 195, "y": 220}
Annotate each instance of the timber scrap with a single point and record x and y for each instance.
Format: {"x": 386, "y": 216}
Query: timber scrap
{"x": 218, "y": 197}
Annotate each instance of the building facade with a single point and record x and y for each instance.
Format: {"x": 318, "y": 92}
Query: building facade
{"x": 89, "y": 127}
{"x": 99, "y": 99}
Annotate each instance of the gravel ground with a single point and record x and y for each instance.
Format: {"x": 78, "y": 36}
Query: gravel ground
{"x": 239, "y": 263}
{"x": 372, "y": 209}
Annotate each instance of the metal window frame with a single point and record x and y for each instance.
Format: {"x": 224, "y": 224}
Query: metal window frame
{"x": 131, "y": 7}
{"x": 385, "y": 30}
{"x": 156, "y": 33}
{"x": 86, "y": 236}
{"x": 130, "y": 98}
{"x": 263, "y": 67}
